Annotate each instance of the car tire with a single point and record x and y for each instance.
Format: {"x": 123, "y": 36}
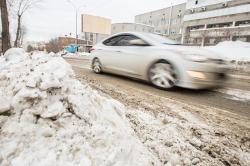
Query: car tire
{"x": 97, "y": 66}
{"x": 163, "y": 75}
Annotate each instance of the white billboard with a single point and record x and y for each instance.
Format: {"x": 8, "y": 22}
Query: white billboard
{"x": 96, "y": 24}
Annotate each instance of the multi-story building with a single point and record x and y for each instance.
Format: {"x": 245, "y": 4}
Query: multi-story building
{"x": 207, "y": 22}
{"x": 132, "y": 27}
{"x": 167, "y": 21}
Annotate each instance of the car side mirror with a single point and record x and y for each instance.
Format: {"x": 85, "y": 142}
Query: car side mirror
{"x": 138, "y": 42}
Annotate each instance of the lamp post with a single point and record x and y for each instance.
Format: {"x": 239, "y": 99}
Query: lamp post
{"x": 76, "y": 15}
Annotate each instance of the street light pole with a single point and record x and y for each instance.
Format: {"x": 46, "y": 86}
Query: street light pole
{"x": 76, "y": 15}
{"x": 76, "y": 26}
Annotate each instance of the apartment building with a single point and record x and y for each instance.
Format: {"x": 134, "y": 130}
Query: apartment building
{"x": 167, "y": 21}
{"x": 131, "y": 27}
{"x": 208, "y": 22}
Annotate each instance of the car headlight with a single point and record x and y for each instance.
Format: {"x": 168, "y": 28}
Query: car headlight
{"x": 196, "y": 58}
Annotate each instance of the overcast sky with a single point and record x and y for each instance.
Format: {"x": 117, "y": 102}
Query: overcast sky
{"x": 57, "y": 17}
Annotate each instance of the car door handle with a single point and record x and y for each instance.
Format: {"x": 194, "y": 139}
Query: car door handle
{"x": 118, "y": 51}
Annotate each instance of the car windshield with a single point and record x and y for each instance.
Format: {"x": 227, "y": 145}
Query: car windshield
{"x": 160, "y": 39}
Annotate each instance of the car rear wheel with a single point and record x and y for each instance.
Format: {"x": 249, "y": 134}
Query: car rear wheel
{"x": 96, "y": 66}
{"x": 163, "y": 75}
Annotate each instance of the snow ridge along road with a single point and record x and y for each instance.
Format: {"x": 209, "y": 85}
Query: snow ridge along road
{"x": 49, "y": 118}
{"x": 179, "y": 126}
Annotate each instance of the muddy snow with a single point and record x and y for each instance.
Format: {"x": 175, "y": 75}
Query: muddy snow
{"x": 181, "y": 133}
{"x": 236, "y": 94}
{"x": 47, "y": 117}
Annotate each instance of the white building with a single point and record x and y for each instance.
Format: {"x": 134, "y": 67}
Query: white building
{"x": 167, "y": 21}
{"x": 191, "y": 4}
{"x": 131, "y": 27}
{"x": 207, "y": 22}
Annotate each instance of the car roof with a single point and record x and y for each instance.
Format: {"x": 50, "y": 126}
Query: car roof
{"x": 138, "y": 34}
{"x": 129, "y": 33}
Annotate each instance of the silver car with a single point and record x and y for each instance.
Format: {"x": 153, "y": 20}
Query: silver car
{"x": 158, "y": 60}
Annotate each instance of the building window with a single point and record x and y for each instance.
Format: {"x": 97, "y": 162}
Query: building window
{"x": 220, "y": 25}
{"x": 174, "y": 21}
{"x": 242, "y": 23}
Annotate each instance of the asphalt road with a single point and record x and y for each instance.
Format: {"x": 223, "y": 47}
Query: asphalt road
{"x": 198, "y": 98}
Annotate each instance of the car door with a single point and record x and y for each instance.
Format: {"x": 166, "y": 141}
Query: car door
{"x": 108, "y": 54}
{"x": 132, "y": 58}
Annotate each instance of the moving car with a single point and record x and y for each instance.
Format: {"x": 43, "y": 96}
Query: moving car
{"x": 158, "y": 60}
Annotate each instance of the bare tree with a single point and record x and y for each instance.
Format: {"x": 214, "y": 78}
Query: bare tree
{"x": 5, "y": 26}
{"x": 22, "y": 34}
{"x": 19, "y": 8}
{"x": 54, "y": 45}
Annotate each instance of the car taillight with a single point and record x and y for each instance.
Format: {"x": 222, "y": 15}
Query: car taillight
{"x": 91, "y": 49}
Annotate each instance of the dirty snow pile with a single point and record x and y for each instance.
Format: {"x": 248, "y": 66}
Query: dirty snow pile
{"x": 78, "y": 54}
{"x": 236, "y": 94}
{"x": 49, "y": 118}
{"x": 233, "y": 50}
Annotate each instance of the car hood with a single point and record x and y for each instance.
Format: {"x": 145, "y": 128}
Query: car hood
{"x": 184, "y": 50}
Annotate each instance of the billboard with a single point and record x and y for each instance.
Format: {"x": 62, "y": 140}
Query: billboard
{"x": 96, "y": 24}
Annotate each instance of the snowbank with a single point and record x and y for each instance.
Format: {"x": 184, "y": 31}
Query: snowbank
{"x": 237, "y": 44}
{"x": 79, "y": 54}
{"x": 49, "y": 118}
{"x": 236, "y": 94}
{"x": 239, "y": 51}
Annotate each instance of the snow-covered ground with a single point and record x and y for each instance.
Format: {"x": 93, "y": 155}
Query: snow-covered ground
{"x": 49, "y": 118}
{"x": 78, "y": 54}
{"x": 239, "y": 51}
{"x": 236, "y": 94}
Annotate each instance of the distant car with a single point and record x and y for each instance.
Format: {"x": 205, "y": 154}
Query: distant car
{"x": 158, "y": 60}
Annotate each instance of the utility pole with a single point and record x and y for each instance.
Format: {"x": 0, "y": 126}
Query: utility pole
{"x": 76, "y": 18}
{"x": 5, "y": 26}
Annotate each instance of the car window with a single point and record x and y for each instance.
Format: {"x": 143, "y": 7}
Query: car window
{"x": 122, "y": 40}
{"x": 160, "y": 39}
{"x": 125, "y": 40}
{"x": 112, "y": 41}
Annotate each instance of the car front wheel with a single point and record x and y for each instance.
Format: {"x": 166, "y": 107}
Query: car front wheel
{"x": 96, "y": 66}
{"x": 162, "y": 75}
